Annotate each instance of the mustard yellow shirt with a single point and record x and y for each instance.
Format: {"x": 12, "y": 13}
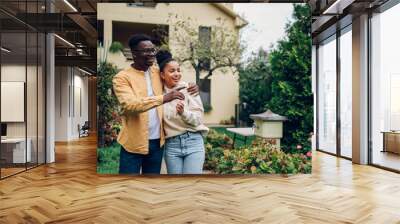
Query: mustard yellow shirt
{"x": 131, "y": 90}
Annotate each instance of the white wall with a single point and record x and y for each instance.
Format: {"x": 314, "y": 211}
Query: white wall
{"x": 61, "y": 103}
{"x": 33, "y": 127}
{"x": 70, "y": 83}
{"x": 16, "y": 72}
{"x": 12, "y": 73}
{"x": 80, "y": 93}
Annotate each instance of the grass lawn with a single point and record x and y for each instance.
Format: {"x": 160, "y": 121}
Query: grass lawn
{"x": 108, "y": 159}
{"x": 239, "y": 142}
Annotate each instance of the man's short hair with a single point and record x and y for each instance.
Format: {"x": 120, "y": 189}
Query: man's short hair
{"x": 136, "y": 39}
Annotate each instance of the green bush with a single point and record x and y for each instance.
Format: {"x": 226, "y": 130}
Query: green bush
{"x": 254, "y": 86}
{"x": 116, "y": 47}
{"x": 259, "y": 158}
{"x": 217, "y": 139}
{"x": 207, "y": 107}
{"x": 213, "y": 154}
{"x": 262, "y": 158}
{"x": 109, "y": 121}
{"x": 215, "y": 143}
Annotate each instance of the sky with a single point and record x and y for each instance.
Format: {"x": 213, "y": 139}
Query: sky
{"x": 266, "y": 24}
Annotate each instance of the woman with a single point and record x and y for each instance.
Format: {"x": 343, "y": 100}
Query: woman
{"x": 183, "y": 122}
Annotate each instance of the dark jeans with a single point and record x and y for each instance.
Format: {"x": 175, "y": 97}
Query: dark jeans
{"x": 130, "y": 163}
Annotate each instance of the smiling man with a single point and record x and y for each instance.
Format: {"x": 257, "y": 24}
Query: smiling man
{"x": 140, "y": 92}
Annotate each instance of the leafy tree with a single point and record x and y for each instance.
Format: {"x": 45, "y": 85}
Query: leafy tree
{"x": 205, "y": 53}
{"x": 254, "y": 86}
{"x": 291, "y": 81}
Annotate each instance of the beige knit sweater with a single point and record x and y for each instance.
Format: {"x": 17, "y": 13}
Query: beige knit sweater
{"x": 192, "y": 118}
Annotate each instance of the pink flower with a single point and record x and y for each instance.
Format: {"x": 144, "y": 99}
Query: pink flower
{"x": 299, "y": 147}
{"x": 309, "y": 153}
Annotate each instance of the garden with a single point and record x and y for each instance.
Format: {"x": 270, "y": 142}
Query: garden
{"x": 279, "y": 80}
{"x": 258, "y": 156}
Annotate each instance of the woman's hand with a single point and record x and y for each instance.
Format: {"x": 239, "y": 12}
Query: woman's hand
{"x": 180, "y": 107}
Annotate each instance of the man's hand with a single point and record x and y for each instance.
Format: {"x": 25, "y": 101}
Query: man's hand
{"x": 180, "y": 108}
{"x": 193, "y": 89}
{"x": 174, "y": 94}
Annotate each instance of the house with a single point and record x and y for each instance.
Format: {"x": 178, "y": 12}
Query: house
{"x": 221, "y": 91}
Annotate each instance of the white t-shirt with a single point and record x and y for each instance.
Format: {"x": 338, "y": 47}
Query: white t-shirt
{"x": 154, "y": 121}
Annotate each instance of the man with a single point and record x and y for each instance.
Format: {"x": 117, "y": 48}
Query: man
{"x": 140, "y": 92}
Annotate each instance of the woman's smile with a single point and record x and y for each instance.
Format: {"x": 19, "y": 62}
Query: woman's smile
{"x": 171, "y": 74}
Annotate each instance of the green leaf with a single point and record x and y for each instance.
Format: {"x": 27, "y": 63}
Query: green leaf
{"x": 116, "y": 47}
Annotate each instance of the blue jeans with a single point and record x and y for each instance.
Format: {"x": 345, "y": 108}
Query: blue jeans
{"x": 184, "y": 154}
{"x": 130, "y": 163}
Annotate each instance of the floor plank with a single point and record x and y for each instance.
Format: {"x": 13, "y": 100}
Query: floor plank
{"x": 70, "y": 191}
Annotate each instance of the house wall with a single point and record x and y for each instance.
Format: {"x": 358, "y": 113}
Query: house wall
{"x": 224, "y": 86}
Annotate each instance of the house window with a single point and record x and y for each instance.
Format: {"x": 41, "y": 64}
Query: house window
{"x": 205, "y": 41}
{"x": 123, "y": 31}
{"x": 205, "y": 92}
{"x": 142, "y": 4}
{"x": 100, "y": 31}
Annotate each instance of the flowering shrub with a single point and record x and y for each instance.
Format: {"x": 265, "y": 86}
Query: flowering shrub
{"x": 262, "y": 157}
{"x": 213, "y": 155}
{"x": 259, "y": 158}
{"x": 215, "y": 143}
{"x": 217, "y": 139}
{"x": 108, "y": 115}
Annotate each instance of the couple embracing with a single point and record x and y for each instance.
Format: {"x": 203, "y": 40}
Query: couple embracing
{"x": 161, "y": 115}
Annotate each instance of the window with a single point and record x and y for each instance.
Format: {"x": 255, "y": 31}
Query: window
{"x": 327, "y": 95}
{"x": 385, "y": 88}
{"x": 100, "y": 31}
{"x": 142, "y": 4}
{"x": 22, "y": 75}
{"x": 122, "y": 32}
{"x": 346, "y": 92}
{"x": 205, "y": 93}
{"x": 205, "y": 41}
{"x": 394, "y": 102}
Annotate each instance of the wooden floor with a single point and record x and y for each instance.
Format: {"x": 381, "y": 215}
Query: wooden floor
{"x": 387, "y": 159}
{"x": 10, "y": 171}
{"x": 70, "y": 191}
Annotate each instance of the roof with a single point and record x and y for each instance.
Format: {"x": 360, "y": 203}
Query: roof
{"x": 239, "y": 21}
{"x": 268, "y": 116}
